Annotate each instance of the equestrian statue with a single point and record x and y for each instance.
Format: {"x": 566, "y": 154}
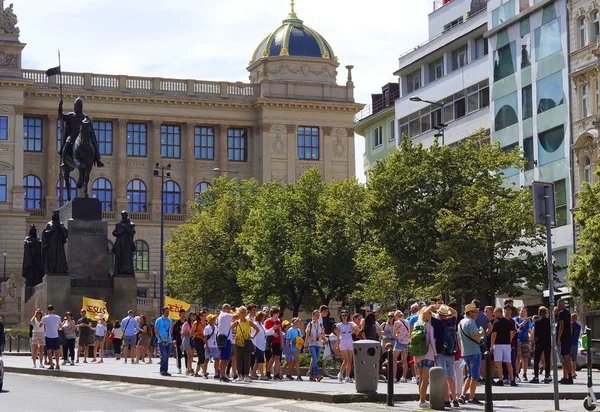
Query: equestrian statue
{"x": 79, "y": 147}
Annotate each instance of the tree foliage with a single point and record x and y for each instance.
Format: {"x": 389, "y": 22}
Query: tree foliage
{"x": 584, "y": 271}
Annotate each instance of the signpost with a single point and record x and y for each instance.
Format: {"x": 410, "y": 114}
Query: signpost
{"x": 544, "y": 213}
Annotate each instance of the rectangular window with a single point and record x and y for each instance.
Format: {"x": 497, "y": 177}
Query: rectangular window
{"x": 480, "y": 48}
{"x": 3, "y": 188}
{"x": 549, "y": 92}
{"x": 414, "y": 126}
{"x": 484, "y": 96}
{"x": 136, "y": 139}
{"x": 436, "y": 117}
{"x": 503, "y": 13}
{"x": 403, "y": 126}
{"x": 560, "y": 196}
{"x": 414, "y": 80}
{"x": 32, "y": 134}
{"x": 103, "y": 132}
{"x": 459, "y": 108}
{"x": 237, "y": 145}
{"x": 525, "y": 51}
{"x": 448, "y": 112}
{"x": 547, "y": 39}
{"x": 170, "y": 141}
{"x": 524, "y": 5}
{"x": 528, "y": 152}
{"x": 377, "y": 137}
{"x": 504, "y": 61}
{"x": 204, "y": 143}
{"x": 453, "y": 23}
{"x": 436, "y": 69}
{"x": 459, "y": 58}
{"x": 3, "y": 128}
{"x": 527, "y": 102}
{"x": 308, "y": 143}
{"x": 595, "y": 27}
{"x": 425, "y": 120}
{"x": 585, "y": 99}
{"x": 392, "y": 131}
{"x": 472, "y": 98}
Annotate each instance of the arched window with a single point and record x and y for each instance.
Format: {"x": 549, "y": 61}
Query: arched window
{"x": 33, "y": 192}
{"x": 61, "y": 200}
{"x": 141, "y": 259}
{"x": 102, "y": 190}
{"x": 582, "y": 32}
{"x": 200, "y": 187}
{"x": 111, "y": 257}
{"x": 587, "y": 170}
{"x": 136, "y": 196}
{"x": 585, "y": 101}
{"x": 171, "y": 198}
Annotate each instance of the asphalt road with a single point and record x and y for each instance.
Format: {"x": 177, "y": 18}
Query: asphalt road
{"x": 26, "y": 393}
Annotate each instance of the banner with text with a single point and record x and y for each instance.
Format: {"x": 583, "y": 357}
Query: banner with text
{"x": 174, "y": 306}
{"x": 94, "y": 307}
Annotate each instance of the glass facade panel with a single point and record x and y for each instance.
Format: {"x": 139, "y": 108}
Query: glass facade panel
{"x": 104, "y": 137}
{"x": 547, "y": 39}
{"x": 436, "y": 69}
{"x": 549, "y": 92}
{"x": 525, "y": 51}
{"x": 527, "y": 102}
{"x": 141, "y": 257}
{"x": 33, "y": 192}
{"x": 503, "y": 13}
{"x": 560, "y": 193}
{"x": 459, "y": 58}
{"x": 551, "y": 145}
{"x": 171, "y": 198}
{"x": 506, "y": 111}
{"x": 102, "y": 190}
{"x": 505, "y": 61}
{"x": 584, "y": 101}
{"x": 528, "y": 152}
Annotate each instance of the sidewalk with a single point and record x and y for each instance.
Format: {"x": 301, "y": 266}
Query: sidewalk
{"x": 328, "y": 390}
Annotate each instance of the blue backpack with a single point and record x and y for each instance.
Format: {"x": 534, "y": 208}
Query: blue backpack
{"x": 450, "y": 342}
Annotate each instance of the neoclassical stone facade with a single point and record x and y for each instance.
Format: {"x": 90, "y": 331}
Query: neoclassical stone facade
{"x": 290, "y": 117}
{"x": 585, "y": 96}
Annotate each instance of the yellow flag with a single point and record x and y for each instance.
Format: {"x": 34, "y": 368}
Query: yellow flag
{"x": 95, "y": 307}
{"x": 174, "y": 306}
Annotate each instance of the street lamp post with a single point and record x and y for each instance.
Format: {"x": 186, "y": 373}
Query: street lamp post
{"x": 154, "y": 276}
{"x": 161, "y": 172}
{"x": 235, "y": 172}
{"x": 441, "y": 127}
{"x": 4, "y": 255}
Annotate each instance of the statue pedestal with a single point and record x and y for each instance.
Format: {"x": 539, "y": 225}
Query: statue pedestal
{"x": 57, "y": 291}
{"x": 124, "y": 296}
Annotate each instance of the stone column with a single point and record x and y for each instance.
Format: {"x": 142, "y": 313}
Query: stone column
{"x": 155, "y": 184}
{"x": 190, "y": 165}
{"x": 52, "y": 163}
{"x": 292, "y": 151}
{"x": 17, "y": 191}
{"x": 223, "y": 157}
{"x": 121, "y": 183}
{"x": 350, "y": 151}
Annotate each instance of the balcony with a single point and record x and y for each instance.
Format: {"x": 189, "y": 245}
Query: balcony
{"x": 145, "y": 85}
{"x": 176, "y": 217}
{"x": 140, "y": 216}
{"x": 377, "y": 106}
{"x": 37, "y": 212}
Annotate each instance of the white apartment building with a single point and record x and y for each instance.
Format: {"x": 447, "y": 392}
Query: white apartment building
{"x": 451, "y": 72}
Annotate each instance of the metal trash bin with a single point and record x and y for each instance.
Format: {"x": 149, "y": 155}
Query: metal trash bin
{"x": 366, "y": 365}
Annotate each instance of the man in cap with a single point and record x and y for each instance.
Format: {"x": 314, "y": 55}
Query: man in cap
{"x": 470, "y": 336}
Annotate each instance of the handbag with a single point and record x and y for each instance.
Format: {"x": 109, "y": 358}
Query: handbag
{"x": 111, "y": 337}
{"x": 222, "y": 338}
{"x": 482, "y": 345}
{"x": 248, "y": 344}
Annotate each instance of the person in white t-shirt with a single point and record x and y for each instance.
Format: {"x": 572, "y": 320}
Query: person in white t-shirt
{"x": 260, "y": 342}
{"x": 52, "y": 323}
{"x": 37, "y": 338}
{"x": 224, "y": 328}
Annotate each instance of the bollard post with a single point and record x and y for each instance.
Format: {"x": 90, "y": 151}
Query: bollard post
{"x": 390, "y": 377}
{"x": 10, "y": 339}
{"x": 436, "y": 388}
{"x": 487, "y": 357}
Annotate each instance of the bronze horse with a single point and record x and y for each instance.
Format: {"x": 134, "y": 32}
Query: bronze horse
{"x": 81, "y": 159}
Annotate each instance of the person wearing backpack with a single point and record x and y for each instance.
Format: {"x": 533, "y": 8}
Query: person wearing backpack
{"x": 212, "y": 351}
{"x": 447, "y": 348}
{"x": 401, "y": 340}
{"x": 422, "y": 346}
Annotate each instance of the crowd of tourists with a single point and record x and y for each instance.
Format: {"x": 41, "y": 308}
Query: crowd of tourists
{"x": 251, "y": 344}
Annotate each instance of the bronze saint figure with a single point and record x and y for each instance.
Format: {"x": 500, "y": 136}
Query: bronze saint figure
{"x": 33, "y": 267}
{"x": 124, "y": 246}
{"x": 54, "y": 238}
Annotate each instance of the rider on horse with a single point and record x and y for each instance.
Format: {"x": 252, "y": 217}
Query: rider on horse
{"x": 72, "y": 125}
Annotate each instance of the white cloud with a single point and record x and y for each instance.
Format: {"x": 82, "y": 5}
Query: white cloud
{"x": 214, "y": 40}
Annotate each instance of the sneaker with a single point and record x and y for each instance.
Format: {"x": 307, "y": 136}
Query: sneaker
{"x": 289, "y": 378}
{"x": 41, "y": 366}
{"x": 235, "y": 376}
{"x": 547, "y": 380}
{"x": 403, "y": 380}
{"x": 217, "y": 376}
{"x": 101, "y": 361}
{"x": 534, "y": 380}
{"x": 51, "y": 367}
{"x": 340, "y": 377}
{"x": 498, "y": 383}
{"x": 349, "y": 379}
{"x": 268, "y": 375}
{"x": 415, "y": 379}
{"x": 225, "y": 379}
{"x": 254, "y": 377}
{"x": 513, "y": 383}
{"x": 64, "y": 363}
{"x": 34, "y": 366}
{"x": 447, "y": 404}
{"x": 165, "y": 374}
{"x": 72, "y": 364}
{"x": 179, "y": 371}
{"x": 205, "y": 375}
{"x": 506, "y": 381}
{"x": 424, "y": 405}
{"x": 57, "y": 368}
{"x": 517, "y": 379}
{"x": 279, "y": 377}
{"x": 150, "y": 361}
{"x": 77, "y": 361}
{"x": 93, "y": 361}
{"x": 263, "y": 378}
{"x": 319, "y": 378}
{"x": 455, "y": 403}
{"x": 524, "y": 379}
{"x": 84, "y": 361}
{"x": 299, "y": 378}
{"x": 312, "y": 379}
{"x": 475, "y": 401}
{"x": 566, "y": 381}
{"x": 462, "y": 399}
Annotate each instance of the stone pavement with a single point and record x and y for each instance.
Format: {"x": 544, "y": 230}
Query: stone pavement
{"x": 328, "y": 390}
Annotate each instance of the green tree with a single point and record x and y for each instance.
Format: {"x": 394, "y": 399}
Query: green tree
{"x": 204, "y": 260}
{"x": 584, "y": 271}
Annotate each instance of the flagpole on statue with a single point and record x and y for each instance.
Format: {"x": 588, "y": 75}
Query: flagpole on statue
{"x": 62, "y": 133}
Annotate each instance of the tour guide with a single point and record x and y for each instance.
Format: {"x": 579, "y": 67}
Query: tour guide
{"x": 163, "y": 327}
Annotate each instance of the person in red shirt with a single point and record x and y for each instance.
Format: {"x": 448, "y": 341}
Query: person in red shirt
{"x": 274, "y": 324}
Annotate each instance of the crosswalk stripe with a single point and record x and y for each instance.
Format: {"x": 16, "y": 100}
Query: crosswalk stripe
{"x": 158, "y": 395}
{"x": 181, "y": 396}
{"x": 271, "y": 407}
{"x": 245, "y": 399}
{"x": 323, "y": 408}
{"x": 204, "y": 401}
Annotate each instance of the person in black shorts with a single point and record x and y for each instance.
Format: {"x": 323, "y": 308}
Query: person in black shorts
{"x": 563, "y": 338}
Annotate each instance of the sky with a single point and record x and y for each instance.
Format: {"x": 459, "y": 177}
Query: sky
{"x": 214, "y": 39}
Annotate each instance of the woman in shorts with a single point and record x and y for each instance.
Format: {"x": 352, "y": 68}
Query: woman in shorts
{"x": 99, "y": 335}
{"x": 401, "y": 334}
{"x": 186, "y": 342}
{"x": 344, "y": 331}
{"x": 198, "y": 335}
{"x": 37, "y": 338}
{"x": 260, "y": 342}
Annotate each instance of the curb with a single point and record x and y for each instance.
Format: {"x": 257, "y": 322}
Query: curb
{"x": 278, "y": 392}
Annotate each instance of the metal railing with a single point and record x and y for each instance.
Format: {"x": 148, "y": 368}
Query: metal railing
{"x": 17, "y": 343}
{"x": 377, "y": 106}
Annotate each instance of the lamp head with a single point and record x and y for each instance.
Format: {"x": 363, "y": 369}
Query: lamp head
{"x": 155, "y": 173}
{"x": 169, "y": 174}
{"x": 157, "y": 164}
{"x": 4, "y": 254}
{"x": 415, "y": 99}
{"x": 216, "y": 169}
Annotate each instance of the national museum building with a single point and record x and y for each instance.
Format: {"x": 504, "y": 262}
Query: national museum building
{"x": 291, "y": 116}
